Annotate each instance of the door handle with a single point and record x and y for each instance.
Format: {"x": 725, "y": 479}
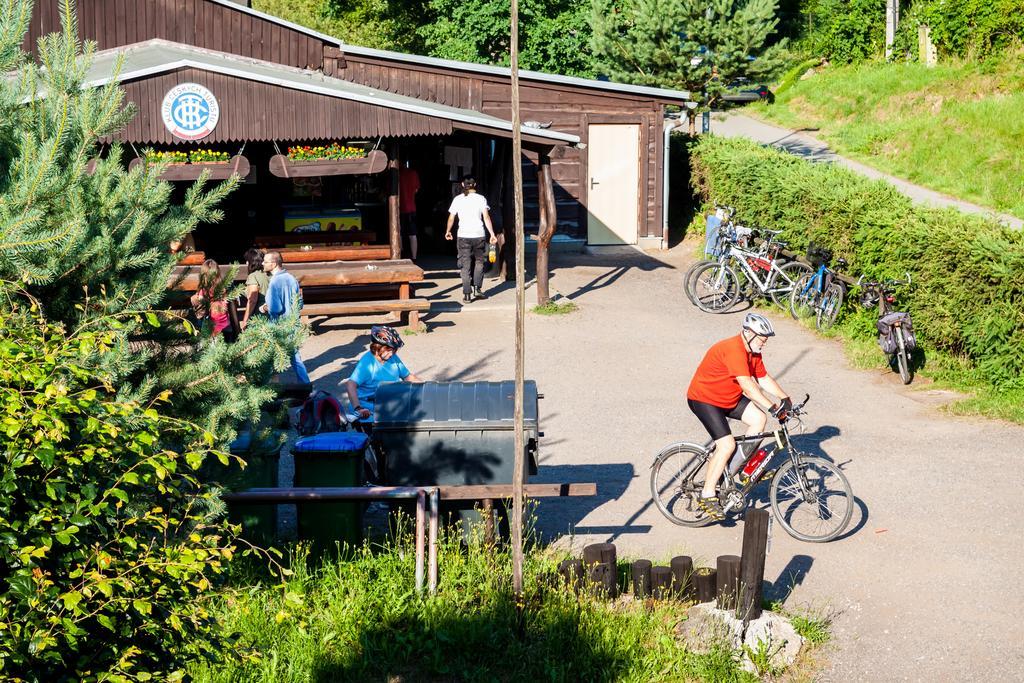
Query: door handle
{"x": 593, "y": 182}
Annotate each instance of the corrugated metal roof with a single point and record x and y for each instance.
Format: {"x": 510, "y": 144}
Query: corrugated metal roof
{"x": 661, "y": 93}
{"x": 159, "y": 56}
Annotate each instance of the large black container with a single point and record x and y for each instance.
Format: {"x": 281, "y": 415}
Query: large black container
{"x": 453, "y": 432}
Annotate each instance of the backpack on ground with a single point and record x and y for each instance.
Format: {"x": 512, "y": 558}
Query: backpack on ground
{"x": 321, "y": 412}
{"x": 887, "y": 336}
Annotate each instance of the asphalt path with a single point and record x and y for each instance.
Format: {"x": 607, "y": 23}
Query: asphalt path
{"x": 924, "y": 585}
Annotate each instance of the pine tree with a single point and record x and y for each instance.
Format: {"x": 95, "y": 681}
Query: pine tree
{"x": 89, "y": 246}
{"x": 694, "y": 45}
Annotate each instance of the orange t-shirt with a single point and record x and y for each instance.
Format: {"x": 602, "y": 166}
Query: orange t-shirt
{"x": 715, "y": 379}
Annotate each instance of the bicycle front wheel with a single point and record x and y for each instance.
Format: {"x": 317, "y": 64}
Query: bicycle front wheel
{"x": 715, "y": 288}
{"x": 689, "y": 280}
{"x": 781, "y": 284}
{"x": 902, "y": 356}
{"x": 813, "y": 500}
{"x": 828, "y": 310}
{"x": 677, "y": 478}
{"x": 804, "y": 298}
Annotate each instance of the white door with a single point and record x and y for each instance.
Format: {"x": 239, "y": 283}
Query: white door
{"x": 613, "y": 185}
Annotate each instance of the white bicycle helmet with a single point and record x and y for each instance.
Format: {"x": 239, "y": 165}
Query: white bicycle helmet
{"x": 758, "y": 324}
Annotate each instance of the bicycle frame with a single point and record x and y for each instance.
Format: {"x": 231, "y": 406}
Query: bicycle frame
{"x": 740, "y": 256}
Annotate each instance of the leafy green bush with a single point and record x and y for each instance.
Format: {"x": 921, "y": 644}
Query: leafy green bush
{"x": 845, "y": 30}
{"x": 975, "y": 29}
{"x": 106, "y": 552}
{"x": 968, "y": 271}
{"x": 361, "y": 620}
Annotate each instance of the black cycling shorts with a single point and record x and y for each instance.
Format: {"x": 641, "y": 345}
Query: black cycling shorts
{"x": 714, "y": 418}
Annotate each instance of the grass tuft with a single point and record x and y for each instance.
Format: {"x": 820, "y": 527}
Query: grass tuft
{"x": 556, "y": 308}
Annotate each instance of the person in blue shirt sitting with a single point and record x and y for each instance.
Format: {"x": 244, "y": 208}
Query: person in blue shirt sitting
{"x": 380, "y": 364}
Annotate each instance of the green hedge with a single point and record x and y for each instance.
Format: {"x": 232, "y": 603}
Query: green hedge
{"x": 968, "y": 296}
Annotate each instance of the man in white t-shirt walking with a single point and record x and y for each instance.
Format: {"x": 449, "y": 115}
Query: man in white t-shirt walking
{"x": 474, "y": 215}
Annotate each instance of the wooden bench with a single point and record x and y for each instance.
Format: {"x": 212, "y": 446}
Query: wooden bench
{"x": 360, "y": 252}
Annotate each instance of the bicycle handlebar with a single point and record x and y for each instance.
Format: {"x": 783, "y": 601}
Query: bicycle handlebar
{"x": 888, "y": 283}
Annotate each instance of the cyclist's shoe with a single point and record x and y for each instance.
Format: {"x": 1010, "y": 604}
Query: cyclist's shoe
{"x": 711, "y": 507}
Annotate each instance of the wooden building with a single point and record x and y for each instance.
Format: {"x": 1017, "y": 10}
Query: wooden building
{"x": 274, "y": 84}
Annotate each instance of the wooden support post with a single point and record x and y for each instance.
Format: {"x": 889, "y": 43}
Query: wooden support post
{"x": 755, "y": 543}
{"x": 728, "y": 584}
{"x": 394, "y": 224}
{"x": 488, "y": 509}
{"x": 600, "y": 560}
{"x": 705, "y": 584}
{"x": 548, "y": 224}
{"x": 661, "y": 582}
{"x": 682, "y": 577}
{"x": 571, "y": 572}
{"x": 641, "y": 573}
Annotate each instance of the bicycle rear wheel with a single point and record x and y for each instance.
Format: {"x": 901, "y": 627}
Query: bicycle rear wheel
{"x": 804, "y": 298}
{"x": 677, "y": 477}
{"x": 716, "y": 288}
{"x": 828, "y": 309}
{"x": 812, "y": 501}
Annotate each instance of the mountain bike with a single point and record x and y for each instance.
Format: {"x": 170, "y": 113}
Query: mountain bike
{"x": 809, "y": 496}
{"x": 717, "y": 286}
{"x": 895, "y": 328}
{"x": 819, "y": 293}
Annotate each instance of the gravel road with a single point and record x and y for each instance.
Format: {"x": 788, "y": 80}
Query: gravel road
{"x": 923, "y": 585}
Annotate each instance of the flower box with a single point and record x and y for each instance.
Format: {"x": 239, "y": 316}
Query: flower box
{"x": 219, "y": 170}
{"x": 283, "y": 167}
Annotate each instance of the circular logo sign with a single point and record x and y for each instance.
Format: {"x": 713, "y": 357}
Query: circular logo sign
{"x": 190, "y": 111}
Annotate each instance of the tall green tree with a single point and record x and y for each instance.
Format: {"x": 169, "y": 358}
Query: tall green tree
{"x": 554, "y": 34}
{"x": 95, "y": 245}
{"x": 380, "y": 24}
{"x": 694, "y": 45}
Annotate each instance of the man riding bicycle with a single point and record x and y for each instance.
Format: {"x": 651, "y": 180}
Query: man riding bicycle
{"x": 729, "y": 384}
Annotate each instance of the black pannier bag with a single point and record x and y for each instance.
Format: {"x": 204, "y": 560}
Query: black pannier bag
{"x": 887, "y": 337}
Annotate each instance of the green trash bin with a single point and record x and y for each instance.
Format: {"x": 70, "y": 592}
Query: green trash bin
{"x": 330, "y": 459}
{"x": 261, "y": 450}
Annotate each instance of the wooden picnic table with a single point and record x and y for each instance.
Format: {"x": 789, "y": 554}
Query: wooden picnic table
{"x": 400, "y": 273}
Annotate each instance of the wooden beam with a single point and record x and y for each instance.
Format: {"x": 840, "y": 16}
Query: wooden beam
{"x": 467, "y": 492}
{"x": 495, "y": 491}
{"x": 548, "y": 225}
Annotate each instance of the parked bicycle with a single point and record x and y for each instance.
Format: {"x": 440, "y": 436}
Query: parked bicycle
{"x": 895, "y": 328}
{"x": 717, "y": 285}
{"x": 819, "y": 293}
{"x": 809, "y": 496}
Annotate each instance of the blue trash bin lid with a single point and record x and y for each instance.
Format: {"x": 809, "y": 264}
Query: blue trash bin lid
{"x": 331, "y": 442}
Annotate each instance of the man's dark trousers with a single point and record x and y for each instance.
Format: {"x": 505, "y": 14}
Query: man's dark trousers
{"x": 471, "y": 260}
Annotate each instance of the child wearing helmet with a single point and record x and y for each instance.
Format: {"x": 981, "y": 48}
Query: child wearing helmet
{"x": 730, "y": 383}
{"x": 378, "y": 365}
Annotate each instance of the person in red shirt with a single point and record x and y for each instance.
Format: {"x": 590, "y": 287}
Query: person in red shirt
{"x": 730, "y": 383}
{"x": 408, "y": 186}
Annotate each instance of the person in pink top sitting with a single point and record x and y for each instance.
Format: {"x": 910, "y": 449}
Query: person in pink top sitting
{"x": 209, "y": 302}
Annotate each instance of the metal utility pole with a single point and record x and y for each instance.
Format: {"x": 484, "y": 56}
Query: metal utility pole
{"x": 892, "y": 22}
{"x": 517, "y": 185}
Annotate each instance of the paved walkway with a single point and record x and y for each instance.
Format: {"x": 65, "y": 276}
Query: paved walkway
{"x": 803, "y": 144}
{"x": 923, "y": 585}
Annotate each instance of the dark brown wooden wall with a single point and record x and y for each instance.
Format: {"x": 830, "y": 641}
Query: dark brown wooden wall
{"x": 570, "y": 109}
{"x": 258, "y": 111}
{"x": 113, "y": 23}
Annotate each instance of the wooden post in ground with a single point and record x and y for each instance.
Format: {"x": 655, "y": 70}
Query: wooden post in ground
{"x": 755, "y": 544}
{"x": 394, "y": 224}
{"x": 519, "y": 444}
{"x": 682, "y": 577}
{"x": 661, "y": 582}
{"x": 641, "y": 572}
{"x": 548, "y": 224}
{"x": 601, "y": 563}
{"x": 728, "y": 581}
{"x": 705, "y": 584}
{"x": 571, "y": 572}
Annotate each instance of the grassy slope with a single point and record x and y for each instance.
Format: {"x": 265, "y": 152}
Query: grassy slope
{"x": 956, "y": 128}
